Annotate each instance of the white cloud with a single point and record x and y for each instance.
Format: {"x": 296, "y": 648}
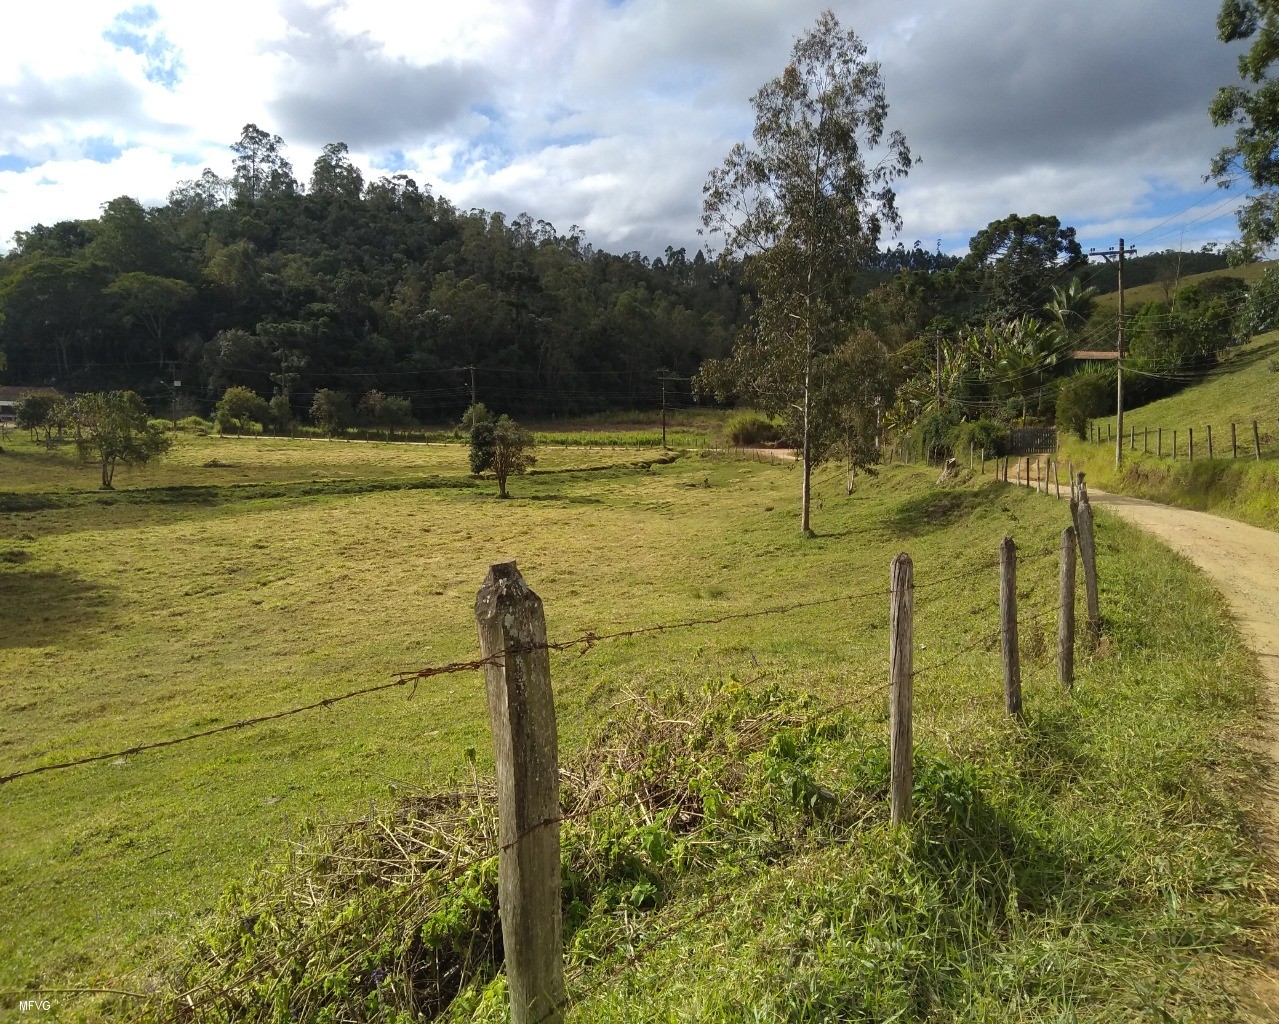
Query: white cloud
{"x": 610, "y": 115}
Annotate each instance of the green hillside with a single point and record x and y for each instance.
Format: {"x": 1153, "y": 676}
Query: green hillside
{"x": 1234, "y": 482}
{"x": 1160, "y": 291}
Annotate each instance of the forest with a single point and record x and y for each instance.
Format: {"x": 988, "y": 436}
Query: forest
{"x": 259, "y": 280}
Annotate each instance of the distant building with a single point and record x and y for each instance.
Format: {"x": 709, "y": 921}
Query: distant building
{"x": 11, "y": 395}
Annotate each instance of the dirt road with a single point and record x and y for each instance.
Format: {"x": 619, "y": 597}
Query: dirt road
{"x": 1243, "y": 563}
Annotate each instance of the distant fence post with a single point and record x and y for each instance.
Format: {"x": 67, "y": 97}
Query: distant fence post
{"x": 1132, "y": 438}
{"x": 1057, "y": 477}
{"x": 1256, "y": 441}
{"x": 1191, "y": 432}
{"x": 970, "y": 456}
{"x": 1210, "y": 440}
{"x": 1174, "y": 444}
{"x": 983, "y": 461}
{"x": 1066, "y": 612}
{"x": 1081, "y": 513}
{"x": 1234, "y": 442}
{"x": 1161, "y": 442}
{"x": 901, "y": 662}
{"x": 512, "y": 628}
{"x": 1025, "y": 481}
{"x": 1145, "y": 440}
{"x": 1008, "y": 626}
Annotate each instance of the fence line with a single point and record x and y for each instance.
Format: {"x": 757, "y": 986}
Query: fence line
{"x": 545, "y": 1002}
{"x": 1142, "y": 441}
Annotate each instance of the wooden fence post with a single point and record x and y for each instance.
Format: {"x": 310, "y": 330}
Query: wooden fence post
{"x": 1066, "y": 612}
{"x": 1145, "y": 440}
{"x": 901, "y": 665}
{"x": 1025, "y": 480}
{"x": 1174, "y": 444}
{"x": 1081, "y": 513}
{"x": 1161, "y": 442}
{"x": 1132, "y": 438}
{"x": 1256, "y": 441}
{"x": 512, "y": 628}
{"x": 1057, "y": 477}
{"x": 1210, "y": 440}
{"x": 970, "y": 456}
{"x": 1191, "y": 432}
{"x": 1008, "y": 626}
{"x": 1234, "y": 443}
{"x": 983, "y": 462}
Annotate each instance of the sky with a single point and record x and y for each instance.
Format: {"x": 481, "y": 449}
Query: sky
{"x": 608, "y": 114}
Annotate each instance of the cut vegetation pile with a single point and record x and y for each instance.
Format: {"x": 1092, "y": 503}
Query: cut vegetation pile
{"x": 727, "y": 848}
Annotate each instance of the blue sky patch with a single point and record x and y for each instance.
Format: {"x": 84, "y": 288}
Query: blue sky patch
{"x": 101, "y": 150}
{"x": 13, "y": 162}
{"x": 135, "y": 30}
{"x": 391, "y": 161}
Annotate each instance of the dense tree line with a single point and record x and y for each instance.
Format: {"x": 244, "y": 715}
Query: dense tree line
{"x": 254, "y": 280}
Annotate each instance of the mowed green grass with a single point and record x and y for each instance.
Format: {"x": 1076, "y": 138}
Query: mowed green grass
{"x": 1242, "y": 389}
{"x": 131, "y": 622}
{"x": 216, "y": 461}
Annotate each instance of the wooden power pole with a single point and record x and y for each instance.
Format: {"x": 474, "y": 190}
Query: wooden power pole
{"x": 1107, "y": 255}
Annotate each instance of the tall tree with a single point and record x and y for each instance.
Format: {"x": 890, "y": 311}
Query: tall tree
{"x": 1253, "y": 110}
{"x": 803, "y": 206}
{"x": 260, "y": 167}
{"x": 1020, "y": 256}
{"x": 334, "y": 176}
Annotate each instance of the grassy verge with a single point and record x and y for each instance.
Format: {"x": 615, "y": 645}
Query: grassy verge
{"x": 1094, "y": 862}
{"x": 1242, "y": 390}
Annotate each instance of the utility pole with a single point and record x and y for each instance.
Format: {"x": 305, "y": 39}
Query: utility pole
{"x": 665, "y": 376}
{"x": 1119, "y": 254}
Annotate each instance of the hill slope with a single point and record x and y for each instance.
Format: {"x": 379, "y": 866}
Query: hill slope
{"x": 1244, "y": 388}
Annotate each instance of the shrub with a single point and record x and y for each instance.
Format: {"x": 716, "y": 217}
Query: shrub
{"x": 331, "y": 410}
{"x": 982, "y": 433}
{"x": 933, "y": 431}
{"x": 745, "y": 429}
{"x": 239, "y": 409}
{"x": 1260, "y": 311}
{"x": 194, "y": 425}
{"x": 483, "y": 444}
{"x": 1082, "y": 397}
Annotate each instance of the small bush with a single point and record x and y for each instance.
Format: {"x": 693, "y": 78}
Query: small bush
{"x": 746, "y": 429}
{"x": 1081, "y": 398}
{"x": 194, "y": 425}
{"x": 981, "y": 434}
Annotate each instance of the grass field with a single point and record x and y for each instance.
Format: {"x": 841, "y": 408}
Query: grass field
{"x": 138, "y": 621}
{"x": 1244, "y": 388}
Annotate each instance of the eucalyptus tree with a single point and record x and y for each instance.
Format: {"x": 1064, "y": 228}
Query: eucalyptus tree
{"x": 803, "y": 207}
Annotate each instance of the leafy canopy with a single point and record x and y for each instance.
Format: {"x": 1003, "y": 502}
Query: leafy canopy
{"x": 1253, "y": 109}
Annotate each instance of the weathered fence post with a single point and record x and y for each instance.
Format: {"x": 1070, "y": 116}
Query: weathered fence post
{"x": 1110, "y": 434}
{"x": 1145, "y": 440}
{"x": 1234, "y": 443}
{"x": 1025, "y": 480}
{"x": 1057, "y": 477}
{"x": 1008, "y": 626}
{"x": 1081, "y": 513}
{"x": 1161, "y": 442}
{"x": 1070, "y": 477}
{"x": 1191, "y": 432}
{"x": 1005, "y": 469}
{"x": 512, "y": 627}
{"x": 1066, "y": 612}
{"x": 901, "y": 659}
{"x": 983, "y": 462}
{"x": 1174, "y": 444}
{"x": 1256, "y": 442}
{"x": 970, "y": 456}
{"x": 1210, "y": 440}
{"x": 1132, "y": 438}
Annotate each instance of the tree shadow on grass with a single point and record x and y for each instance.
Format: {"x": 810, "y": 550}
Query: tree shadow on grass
{"x": 933, "y": 509}
{"x": 45, "y": 608}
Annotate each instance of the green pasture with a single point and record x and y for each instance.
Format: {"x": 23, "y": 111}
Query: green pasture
{"x": 138, "y": 620}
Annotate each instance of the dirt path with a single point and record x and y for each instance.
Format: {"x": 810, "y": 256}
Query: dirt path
{"x": 1243, "y": 563}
